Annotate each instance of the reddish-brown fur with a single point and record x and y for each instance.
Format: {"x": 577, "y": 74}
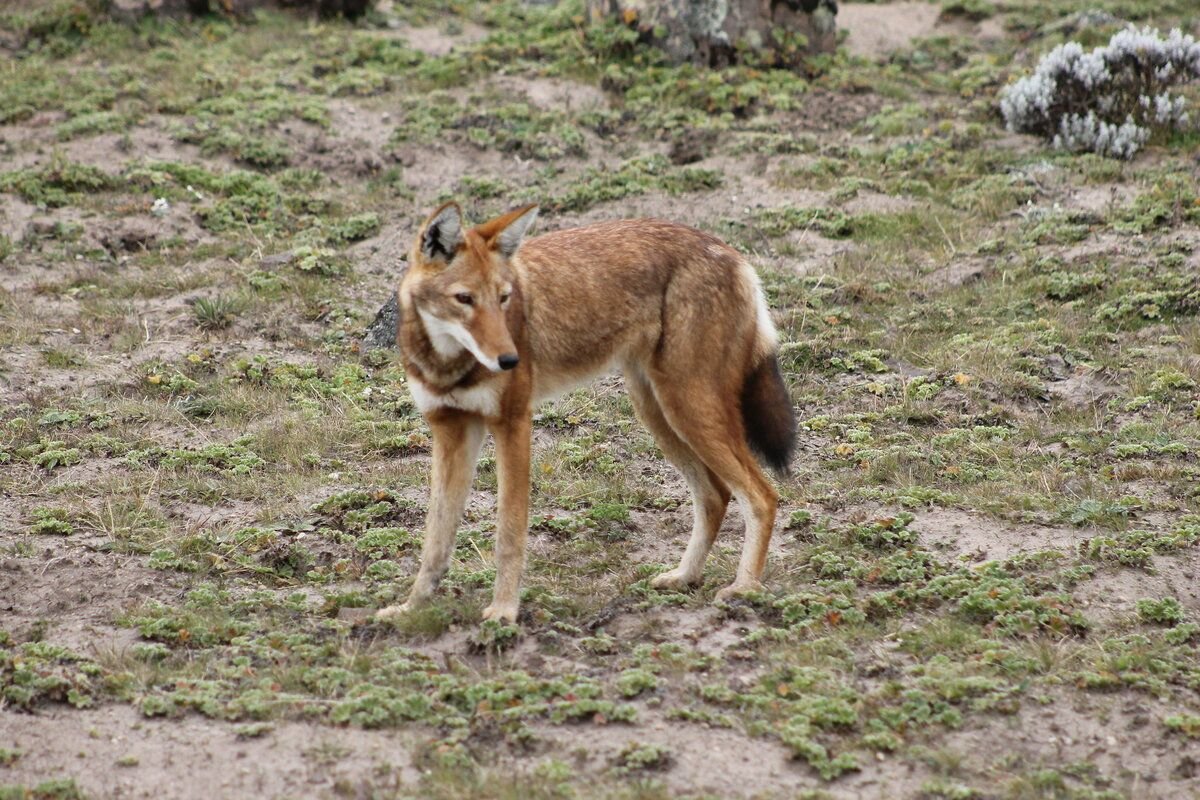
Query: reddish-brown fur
{"x": 676, "y": 309}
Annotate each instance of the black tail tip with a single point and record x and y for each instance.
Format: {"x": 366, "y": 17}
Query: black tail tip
{"x": 768, "y": 416}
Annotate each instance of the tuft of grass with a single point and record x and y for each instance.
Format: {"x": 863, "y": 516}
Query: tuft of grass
{"x": 64, "y": 359}
{"x": 215, "y": 313}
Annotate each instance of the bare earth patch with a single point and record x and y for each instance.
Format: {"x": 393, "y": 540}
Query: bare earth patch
{"x": 1112, "y": 597}
{"x": 116, "y": 752}
{"x": 877, "y": 29}
{"x": 553, "y": 93}
{"x": 436, "y": 40}
{"x": 1112, "y": 733}
{"x": 71, "y": 594}
{"x": 979, "y": 538}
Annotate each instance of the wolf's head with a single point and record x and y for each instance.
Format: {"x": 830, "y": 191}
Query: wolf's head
{"x": 459, "y": 283}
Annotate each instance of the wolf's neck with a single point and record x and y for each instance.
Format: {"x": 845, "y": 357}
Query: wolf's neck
{"x": 438, "y": 368}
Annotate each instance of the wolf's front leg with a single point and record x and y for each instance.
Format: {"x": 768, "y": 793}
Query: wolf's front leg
{"x": 457, "y": 437}
{"x": 512, "y": 525}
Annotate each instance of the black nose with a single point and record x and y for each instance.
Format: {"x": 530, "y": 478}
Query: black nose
{"x": 508, "y": 360}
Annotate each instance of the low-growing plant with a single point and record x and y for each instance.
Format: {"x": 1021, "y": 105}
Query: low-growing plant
{"x": 214, "y": 313}
{"x": 1187, "y": 724}
{"x": 51, "y": 522}
{"x": 633, "y": 177}
{"x": 636, "y": 756}
{"x": 1110, "y": 101}
{"x": 1166, "y": 611}
{"x": 54, "y": 789}
{"x": 50, "y": 455}
{"x": 56, "y": 183}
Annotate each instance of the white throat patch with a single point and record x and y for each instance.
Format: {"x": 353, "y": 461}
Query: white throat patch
{"x": 450, "y": 338}
{"x": 482, "y": 399}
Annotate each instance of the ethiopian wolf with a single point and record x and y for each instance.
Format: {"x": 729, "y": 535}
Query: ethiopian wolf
{"x": 493, "y": 323}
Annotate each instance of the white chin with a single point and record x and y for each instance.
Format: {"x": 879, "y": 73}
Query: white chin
{"x": 492, "y": 364}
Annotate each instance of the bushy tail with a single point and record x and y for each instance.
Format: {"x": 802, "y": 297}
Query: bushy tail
{"x": 768, "y": 416}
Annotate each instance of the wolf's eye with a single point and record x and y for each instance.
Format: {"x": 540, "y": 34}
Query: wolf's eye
{"x": 504, "y": 297}
{"x": 464, "y": 298}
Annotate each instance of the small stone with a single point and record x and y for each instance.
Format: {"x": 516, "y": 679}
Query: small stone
{"x": 956, "y": 274}
{"x": 381, "y": 333}
{"x": 277, "y": 260}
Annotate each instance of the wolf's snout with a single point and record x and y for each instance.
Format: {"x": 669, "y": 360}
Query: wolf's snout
{"x": 508, "y": 360}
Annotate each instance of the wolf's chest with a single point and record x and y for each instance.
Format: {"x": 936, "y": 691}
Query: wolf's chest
{"x": 482, "y": 399}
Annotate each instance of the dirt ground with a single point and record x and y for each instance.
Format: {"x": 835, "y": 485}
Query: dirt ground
{"x": 983, "y": 581}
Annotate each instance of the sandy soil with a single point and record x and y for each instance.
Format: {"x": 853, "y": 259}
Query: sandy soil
{"x": 116, "y": 752}
{"x": 72, "y": 591}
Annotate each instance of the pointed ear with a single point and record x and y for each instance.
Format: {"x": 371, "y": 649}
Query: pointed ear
{"x": 442, "y": 233}
{"x": 506, "y": 232}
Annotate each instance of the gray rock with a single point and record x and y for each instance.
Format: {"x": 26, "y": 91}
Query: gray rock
{"x": 277, "y": 260}
{"x": 955, "y": 274}
{"x": 1082, "y": 389}
{"x": 381, "y": 333}
{"x": 710, "y": 32}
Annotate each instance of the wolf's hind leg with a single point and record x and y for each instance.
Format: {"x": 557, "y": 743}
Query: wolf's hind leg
{"x": 710, "y": 497}
{"x": 702, "y": 416}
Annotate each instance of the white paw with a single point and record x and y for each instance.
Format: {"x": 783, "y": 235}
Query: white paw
{"x": 501, "y": 612}
{"x": 738, "y": 589}
{"x": 392, "y": 612}
{"x": 675, "y": 579}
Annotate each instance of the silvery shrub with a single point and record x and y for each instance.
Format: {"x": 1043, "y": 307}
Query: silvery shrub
{"x": 1109, "y": 101}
